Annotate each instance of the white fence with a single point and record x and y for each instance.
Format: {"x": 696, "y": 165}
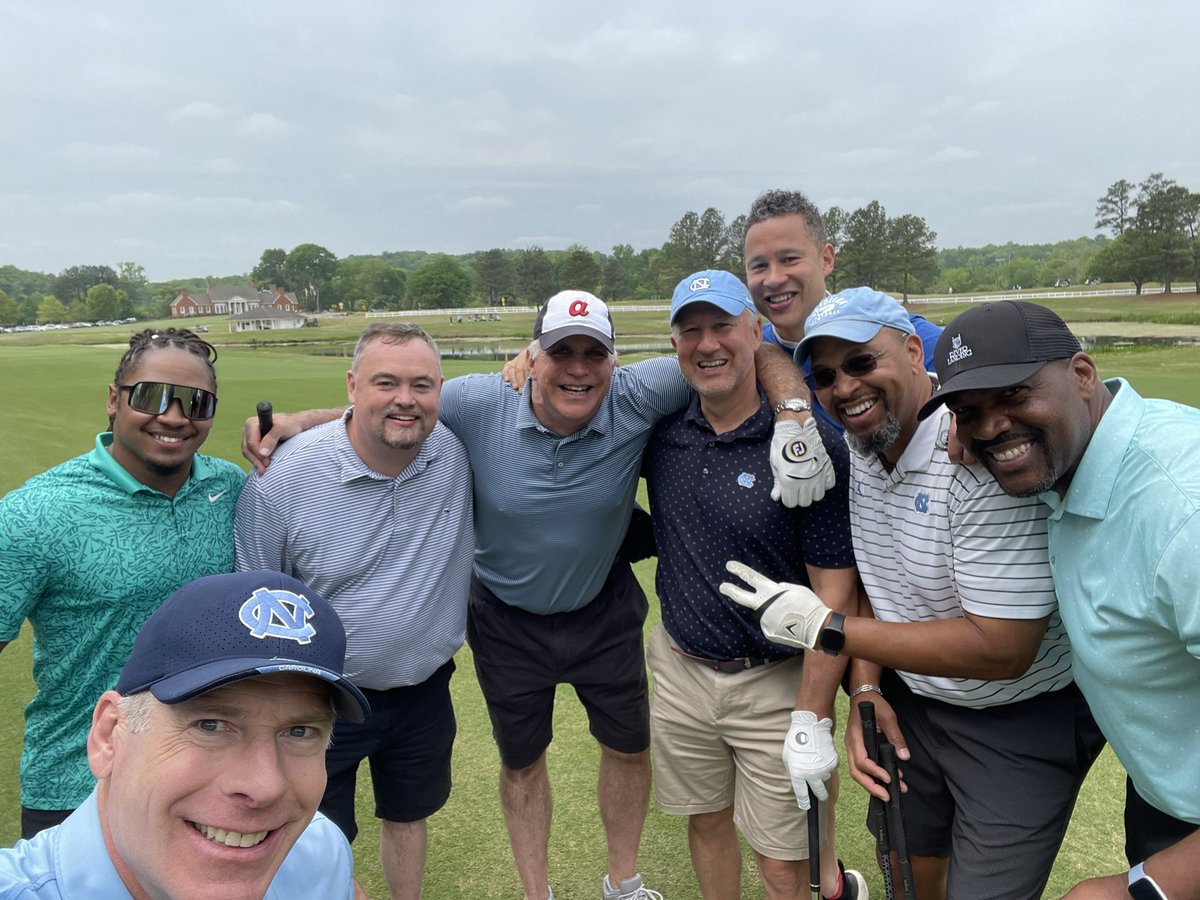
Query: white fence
{"x": 473, "y": 313}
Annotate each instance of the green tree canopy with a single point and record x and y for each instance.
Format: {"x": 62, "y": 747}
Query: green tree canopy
{"x": 580, "y": 271}
{"x": 73, "y": 283}
{"x": 440, "y": 284}
{"x": 865, "y": 257}
{"x": 912, "y": 251}
{"x": 51, "y": 311}
{"x": 1114, "y": 210}
{"x": 494, "y": 275}
{"x": 534, "y": 276}
{"x": 270, "y": 268}
{"x": 105, "y": 302}
{"x": 309, "y": 271}
{"x": 10, "y": 313}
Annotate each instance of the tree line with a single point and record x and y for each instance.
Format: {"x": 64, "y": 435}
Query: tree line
{"x": 1153, "y": 234}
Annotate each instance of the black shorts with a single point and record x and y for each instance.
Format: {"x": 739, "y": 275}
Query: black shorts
{"x": 520, "y": 657}
{"x": 993, "y": 789}
{"x": 1148, "y": 829}
{"x": 407, "y": 740}
{"x": 35, "y": 820}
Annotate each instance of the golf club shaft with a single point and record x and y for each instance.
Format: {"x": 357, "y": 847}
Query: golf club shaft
{"x": 895, "y": 819}
{"x": 265, "y": 419}
{"x": 866, "y": 714}
{"x": 814, "y": 845}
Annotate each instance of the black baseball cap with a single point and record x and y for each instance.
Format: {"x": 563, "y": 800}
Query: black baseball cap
{"x": 995, "y": 345}
{"x": 225, "y": 628}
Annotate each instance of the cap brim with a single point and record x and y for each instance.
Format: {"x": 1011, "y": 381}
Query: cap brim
{"x": 348, "y": 700}
{"x": 727, "y": 306}
{"x": 845, "y": 328}
{"x": 984, "y": 378}
{"x": 549, "y": 338}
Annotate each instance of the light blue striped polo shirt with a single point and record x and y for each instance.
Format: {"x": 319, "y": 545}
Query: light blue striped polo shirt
{"x": 393, "y": 555}
{"x": 550, "y": 511}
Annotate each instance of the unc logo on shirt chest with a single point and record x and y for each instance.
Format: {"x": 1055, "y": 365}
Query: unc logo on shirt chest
{"x": 921, "y": 503}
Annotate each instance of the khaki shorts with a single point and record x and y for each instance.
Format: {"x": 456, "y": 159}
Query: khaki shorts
{"x": 717, "y": 739}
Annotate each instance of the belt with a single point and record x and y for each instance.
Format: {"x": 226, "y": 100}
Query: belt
{"x": 727, "y": 666}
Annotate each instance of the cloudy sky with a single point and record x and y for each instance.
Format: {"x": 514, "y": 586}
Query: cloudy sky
{"x": 189, "y": 136}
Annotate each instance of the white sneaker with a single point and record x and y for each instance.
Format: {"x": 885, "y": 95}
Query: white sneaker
{"x": 631, "y": 889}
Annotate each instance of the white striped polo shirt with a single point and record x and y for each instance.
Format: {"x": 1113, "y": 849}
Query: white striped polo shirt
{"x": 933, "y": 539}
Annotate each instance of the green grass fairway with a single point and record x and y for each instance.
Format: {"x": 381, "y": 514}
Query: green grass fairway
{"x": 53, "y": 392}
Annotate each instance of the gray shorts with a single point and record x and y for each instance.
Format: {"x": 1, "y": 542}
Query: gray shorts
{"x": 993, "y": 789}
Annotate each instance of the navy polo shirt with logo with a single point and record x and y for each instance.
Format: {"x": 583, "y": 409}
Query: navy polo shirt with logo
{"x": 710, "y": 502}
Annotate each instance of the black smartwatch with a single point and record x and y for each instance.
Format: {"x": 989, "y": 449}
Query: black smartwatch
{"x": 1142, "y": 886}
{"x": 833, "y": 636}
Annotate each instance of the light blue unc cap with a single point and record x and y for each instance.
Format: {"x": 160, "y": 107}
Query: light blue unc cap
{"x": 855, "y": 315}
{"x": 723, "y": 290}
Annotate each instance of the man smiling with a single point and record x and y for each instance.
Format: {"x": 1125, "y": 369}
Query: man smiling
{"x": 374, "y": 511}
{"x": 209, "y": 757}
{"x": 91, "y": 547}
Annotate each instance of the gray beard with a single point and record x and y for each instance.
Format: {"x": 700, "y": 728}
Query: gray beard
{"x": 877, "y": 441}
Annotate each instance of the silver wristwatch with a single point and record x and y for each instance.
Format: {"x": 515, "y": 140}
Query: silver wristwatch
{"x": 792, "y": 404}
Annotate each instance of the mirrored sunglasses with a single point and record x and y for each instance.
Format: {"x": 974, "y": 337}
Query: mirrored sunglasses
{"x": 155, "y": 397}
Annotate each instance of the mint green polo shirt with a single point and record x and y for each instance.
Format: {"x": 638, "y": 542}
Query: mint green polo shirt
{"x": 1125, "y": 556}
{"x": 87, "y": 553}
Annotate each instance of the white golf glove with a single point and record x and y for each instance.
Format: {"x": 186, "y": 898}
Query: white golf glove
{"x": 809, "y": 755}
{"x": 787, "y": 613}
{"x": 803, "y": 470}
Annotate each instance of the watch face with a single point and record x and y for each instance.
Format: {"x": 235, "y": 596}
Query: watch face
{"x": 1145, "y": 889}
{"x": 833, "y": 637}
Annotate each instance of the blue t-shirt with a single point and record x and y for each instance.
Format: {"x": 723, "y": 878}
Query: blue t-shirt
{"x": 70, "y": 862}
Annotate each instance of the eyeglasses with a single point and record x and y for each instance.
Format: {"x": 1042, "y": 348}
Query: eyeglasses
{"x": 155, "y": 397}
{"x": 856, "y": 367}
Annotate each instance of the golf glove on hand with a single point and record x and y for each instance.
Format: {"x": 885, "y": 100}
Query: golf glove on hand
{"x": 803, "y": 470}
{"x": 809, "y": 755}
{"x": 787, "y": 613}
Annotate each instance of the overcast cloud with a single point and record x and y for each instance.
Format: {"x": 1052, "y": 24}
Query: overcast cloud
{"x": 189, "y": 136}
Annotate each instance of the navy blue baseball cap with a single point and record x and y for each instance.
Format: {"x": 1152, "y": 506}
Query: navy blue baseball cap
{"x": 723, "y": 290}
{"x": 225, "y": 628}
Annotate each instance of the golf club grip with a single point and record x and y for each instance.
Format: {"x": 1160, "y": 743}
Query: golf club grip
{"x": 887, "y": 758}
{"x": 814, "y": 844}
{"x": 866, "y": 715}
{"x": 265, "y": 419}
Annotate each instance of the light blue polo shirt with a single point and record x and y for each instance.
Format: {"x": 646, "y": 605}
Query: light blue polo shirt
{"x": 1125, "y": 555}
{"x": 70, "y": 862}
{"x": 551, "y": 511}
{"x": 87, "y": 553}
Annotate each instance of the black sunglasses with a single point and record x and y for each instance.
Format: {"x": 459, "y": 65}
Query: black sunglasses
{"x": 856, "y": 367}
{"x": 155, "y": 397}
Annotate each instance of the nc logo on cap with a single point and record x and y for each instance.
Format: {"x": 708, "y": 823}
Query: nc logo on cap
{"x": 699, "y": 284}
{"x": 278, "y": 614}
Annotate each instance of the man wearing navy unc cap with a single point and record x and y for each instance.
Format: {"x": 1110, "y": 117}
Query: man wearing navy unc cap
{"x": 1118, "y": 474}
{"x": 209, "y": 757}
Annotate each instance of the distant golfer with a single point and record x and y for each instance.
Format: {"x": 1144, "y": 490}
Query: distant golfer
{"x": 1121, "y": 478}
{"x": 90, "y": 548}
